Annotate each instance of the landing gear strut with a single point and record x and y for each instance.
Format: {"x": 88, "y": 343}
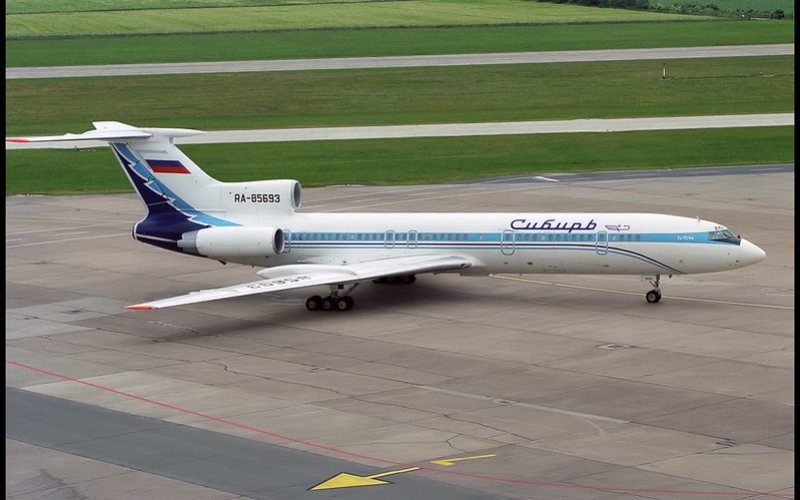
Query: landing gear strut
{"x": 338, "y": 300}
{"x": 654, "y": 295}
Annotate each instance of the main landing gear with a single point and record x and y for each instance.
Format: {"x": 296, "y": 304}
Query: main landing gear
{"x": 338, "y": 300}
{"x": 654, "y": 295}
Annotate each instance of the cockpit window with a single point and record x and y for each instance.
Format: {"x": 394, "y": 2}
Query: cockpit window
{"x": 724, "y": 234}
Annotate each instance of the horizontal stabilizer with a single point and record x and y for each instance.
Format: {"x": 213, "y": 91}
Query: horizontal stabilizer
{"x": 111, "y": 132}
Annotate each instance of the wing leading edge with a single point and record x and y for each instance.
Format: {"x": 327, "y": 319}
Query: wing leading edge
{"x": 296, "y": 276}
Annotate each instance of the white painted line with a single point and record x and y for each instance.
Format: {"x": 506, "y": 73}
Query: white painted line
{"x": 525, "y": 405}
{"x": 53, "y": 242}
{"x": 69, "y": 234}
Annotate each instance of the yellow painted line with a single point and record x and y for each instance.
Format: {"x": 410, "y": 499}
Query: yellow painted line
{"x": 452, "y": 461}
{"x": 410, "y": 469}
{"x": 345, "y": 480}
{"x": 605, "y": 290}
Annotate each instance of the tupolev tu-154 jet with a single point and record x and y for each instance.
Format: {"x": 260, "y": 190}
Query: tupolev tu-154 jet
{"x": 257, "y": 223}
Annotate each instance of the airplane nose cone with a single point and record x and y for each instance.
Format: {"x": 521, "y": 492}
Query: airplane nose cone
{"x": 750, "y": 254}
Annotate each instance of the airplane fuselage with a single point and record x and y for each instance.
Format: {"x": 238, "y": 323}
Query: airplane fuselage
{"x": 574, "y": 243}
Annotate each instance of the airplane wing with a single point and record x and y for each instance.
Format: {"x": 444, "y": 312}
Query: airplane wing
{"x": 295, "y": 276}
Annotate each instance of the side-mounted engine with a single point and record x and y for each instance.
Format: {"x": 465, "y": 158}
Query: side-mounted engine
{"x": 234, "y": 243}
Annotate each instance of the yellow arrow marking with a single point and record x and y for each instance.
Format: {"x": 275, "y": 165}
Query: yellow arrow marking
{"x": 345, "y": 480}
{"x": 451, "y": 461}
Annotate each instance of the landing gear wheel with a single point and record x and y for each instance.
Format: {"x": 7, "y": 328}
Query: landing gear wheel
{"x": 653, "y": 296}
{"x": 314, "y": 303}
{"x": 328, "y": 303}
{"x": 345, "y": 303}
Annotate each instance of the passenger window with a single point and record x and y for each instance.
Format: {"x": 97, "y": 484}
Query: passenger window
{"x": 638, "y": 237}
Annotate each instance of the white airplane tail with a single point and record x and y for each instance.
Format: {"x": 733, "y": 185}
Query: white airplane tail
{"x": 180, "y": 197}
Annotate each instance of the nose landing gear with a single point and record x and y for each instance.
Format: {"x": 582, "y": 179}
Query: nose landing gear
{"x": 654, "y": 295}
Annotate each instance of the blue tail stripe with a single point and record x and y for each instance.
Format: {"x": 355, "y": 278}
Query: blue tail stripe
{"x": 152, "y": 185}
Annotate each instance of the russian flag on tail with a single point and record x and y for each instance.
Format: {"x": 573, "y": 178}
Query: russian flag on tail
{"x": 167, "y": 167}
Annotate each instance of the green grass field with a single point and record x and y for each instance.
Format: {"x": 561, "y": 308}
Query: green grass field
{"x": 414, "y": 161}
{"x": 405, "y": 95}
{"x": 342, "y": 15}
{"x": 47, "y": 6}
{"x": 389, "y": 42}
{"x": 391, "y": 96}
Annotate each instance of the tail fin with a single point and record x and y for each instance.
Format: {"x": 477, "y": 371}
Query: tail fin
{"x": 179, "y": 196}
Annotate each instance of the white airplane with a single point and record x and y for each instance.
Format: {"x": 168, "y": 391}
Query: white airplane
{"x": 257, "y": 223}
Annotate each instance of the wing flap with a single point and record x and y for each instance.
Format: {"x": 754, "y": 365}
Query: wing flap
{"x": 296, "y": 276}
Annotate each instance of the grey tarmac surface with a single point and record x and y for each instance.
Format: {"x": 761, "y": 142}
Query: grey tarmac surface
{"x": 454, "y": 130}
{"x": 400, "y": 61}
{"x": 211, "y": 460}
{"x": 569, "y": 387}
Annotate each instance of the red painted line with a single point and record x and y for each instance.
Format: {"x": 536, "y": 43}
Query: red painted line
{"x": 383, "y": 460}
{"x": 17, "y": 140}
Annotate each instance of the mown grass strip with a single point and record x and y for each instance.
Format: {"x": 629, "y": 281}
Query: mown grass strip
{"x": 51, "y": 6}
{"x": 415, "y": 161}
{"x": 463, "y": 94}
{"x": 345, "y": 15}
{"x": 389, "y": 42}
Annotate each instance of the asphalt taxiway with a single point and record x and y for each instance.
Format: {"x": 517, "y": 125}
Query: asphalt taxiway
{"x": 402, "y": 61}
{"x": 548, "y": 386}
{"x": 593, "y": 125}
